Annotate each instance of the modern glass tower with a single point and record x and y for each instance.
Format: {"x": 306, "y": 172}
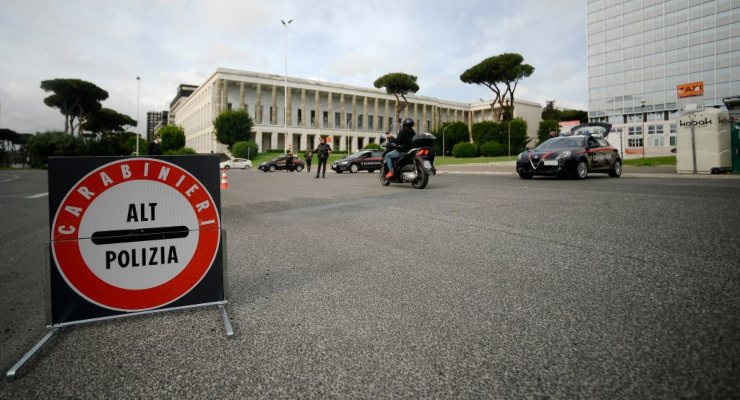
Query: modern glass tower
{"x": 640, "y": 50}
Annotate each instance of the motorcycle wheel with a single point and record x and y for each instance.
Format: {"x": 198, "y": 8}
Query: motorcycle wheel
{"x": 422, "y": 176}
{"x": 381, "y": 175}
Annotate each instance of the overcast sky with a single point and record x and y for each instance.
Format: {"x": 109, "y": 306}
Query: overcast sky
{"x": 169, "y": 42}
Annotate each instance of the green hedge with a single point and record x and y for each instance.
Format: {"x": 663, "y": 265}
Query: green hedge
{"x": 245, "y": 149}
{"x": 492, "y": 149}
{"x": 465, "y": 150}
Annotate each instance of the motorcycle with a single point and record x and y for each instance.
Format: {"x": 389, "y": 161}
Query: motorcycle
{"x": 413, "y": 167}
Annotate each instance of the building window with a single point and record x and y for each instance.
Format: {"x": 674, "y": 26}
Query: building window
{"x": 337, "y": 119}
{"x": 380, "y": 123}
{"x": 370, "y": 120}
{"x": 634, "y": 130}
{"x": 228, "y": 106}
{"x": 349, "y": 120}
{"x": 655, "y": 129}
{"x": 300, "y": 116}
{"x": 270, "y": 115}
{"x": 359, "y": 122}
{"x": 313, "y": 118}
{"x": 672, "y": 140}
{"x": 656, "y": 141}
{"x": 635, "y": 142}
{"x": 325, "y": 119}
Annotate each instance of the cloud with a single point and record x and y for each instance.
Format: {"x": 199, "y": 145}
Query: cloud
{"x": 169, "y": 42}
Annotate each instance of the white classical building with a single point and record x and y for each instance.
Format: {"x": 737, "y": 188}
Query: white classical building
{"x": 352, "y": 116}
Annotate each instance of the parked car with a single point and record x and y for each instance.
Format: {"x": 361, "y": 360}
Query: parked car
{"x": 279, "y": 164}
{"x": 241, "y": 163}
{"x": 363, "y": 160}
{"x": 584, "y": 151}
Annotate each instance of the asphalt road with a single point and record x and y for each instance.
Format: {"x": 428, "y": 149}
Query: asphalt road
{"x": 479, "y": 286}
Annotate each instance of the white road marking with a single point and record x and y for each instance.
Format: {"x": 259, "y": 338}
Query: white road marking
{"x": 36, "y": 196}
{"x": 14, "y": 177}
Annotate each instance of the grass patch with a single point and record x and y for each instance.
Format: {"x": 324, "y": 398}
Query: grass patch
{"x": 651, "y": 161}
{"x": 449, "y": 160}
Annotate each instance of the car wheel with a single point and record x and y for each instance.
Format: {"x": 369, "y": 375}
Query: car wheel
{"x": 582, "y": 169}
{"x": 299, "y": 168}
{"x": 227, "y": 167}
{"x": 525, "y": 176}
{"x": 272, "y": 168}
{"x": 353, "y": 168}
{"x": 616, "y": 170}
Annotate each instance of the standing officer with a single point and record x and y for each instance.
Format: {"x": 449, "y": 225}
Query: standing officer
{"x": 323, "y": 150}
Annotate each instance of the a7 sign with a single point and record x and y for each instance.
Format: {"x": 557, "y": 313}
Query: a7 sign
{"x": 137, "y": 234}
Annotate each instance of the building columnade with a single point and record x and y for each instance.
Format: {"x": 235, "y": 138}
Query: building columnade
{"x": 352, "y": 116}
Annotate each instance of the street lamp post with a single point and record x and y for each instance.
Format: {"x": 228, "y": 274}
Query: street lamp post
{"x": 643, "y": 118}
{"x": 285, "y": 107}
{"x": 443, "y": 139}
{"x": 138, "y": 112}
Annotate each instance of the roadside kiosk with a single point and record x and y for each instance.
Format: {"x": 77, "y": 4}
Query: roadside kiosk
{"x": 703, "y": 143}
{"x": 733, "y": 108}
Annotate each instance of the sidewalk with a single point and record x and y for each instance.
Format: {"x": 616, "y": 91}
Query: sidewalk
{"x": 628, "y": 171}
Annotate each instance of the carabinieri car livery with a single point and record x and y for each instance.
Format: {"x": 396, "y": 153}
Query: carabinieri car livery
{"x": 368, "y": 160}
{"x": 584, "y": 151}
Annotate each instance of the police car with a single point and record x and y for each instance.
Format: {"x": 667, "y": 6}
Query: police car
{"x": 363, "y": 160}
{"x": 583, "y": 151}
{"x": 279, "y": 164}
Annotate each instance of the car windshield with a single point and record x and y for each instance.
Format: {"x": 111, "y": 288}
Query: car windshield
{"x": 561, "y": 143}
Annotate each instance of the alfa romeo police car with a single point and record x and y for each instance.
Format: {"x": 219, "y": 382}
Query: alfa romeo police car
{"x": 584, "y": 151}
{"x": 363, "y": 160}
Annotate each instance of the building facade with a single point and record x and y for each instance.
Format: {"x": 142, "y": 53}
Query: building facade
{"x": 640, "y": 50}
{"x": 352, "y": 116}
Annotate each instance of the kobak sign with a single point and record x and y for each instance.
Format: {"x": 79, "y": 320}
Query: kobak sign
{"x": 134, "y": 234}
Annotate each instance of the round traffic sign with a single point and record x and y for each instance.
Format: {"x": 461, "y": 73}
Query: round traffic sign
{"x": 135, "y": 234}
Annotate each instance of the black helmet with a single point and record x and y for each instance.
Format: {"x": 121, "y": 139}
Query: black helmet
{"x": 408, "y": 122}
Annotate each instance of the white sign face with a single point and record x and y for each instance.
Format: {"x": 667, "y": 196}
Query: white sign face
{"x": 135, "y": 234}
{"x": 119, "y": 210}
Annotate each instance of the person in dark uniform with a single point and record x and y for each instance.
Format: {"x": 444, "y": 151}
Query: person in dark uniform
{"x": 289, "y": 161}
{"x": 323, "y": 150}
{"x": 309, "y": 158}
{"x": 403, "y": 144}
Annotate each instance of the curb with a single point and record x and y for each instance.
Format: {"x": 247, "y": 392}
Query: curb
{"x": 624, "y": 175}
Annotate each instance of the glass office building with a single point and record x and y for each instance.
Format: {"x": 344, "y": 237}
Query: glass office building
{"x": 640, "y": 50}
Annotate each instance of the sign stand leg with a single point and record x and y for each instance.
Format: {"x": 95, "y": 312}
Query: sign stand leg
{"x": 227, "y": 321}
{"x": 10, "y": 376}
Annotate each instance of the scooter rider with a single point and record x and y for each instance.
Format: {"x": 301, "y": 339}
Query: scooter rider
{"x": 403, "y": 144}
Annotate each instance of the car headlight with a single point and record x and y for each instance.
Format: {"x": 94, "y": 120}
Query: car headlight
{"x": 564, "y": 154}
{"x": 523, "y": 156}
{"x": 343, "y": 162}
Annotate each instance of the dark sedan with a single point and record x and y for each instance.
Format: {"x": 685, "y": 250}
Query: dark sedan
{"x": 279, "y": 163}
{"x": 363, "y": 160}
{"x": 574, "y": 156}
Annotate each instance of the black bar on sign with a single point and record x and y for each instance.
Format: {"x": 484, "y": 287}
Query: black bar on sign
{"x": 139, "y": 235}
